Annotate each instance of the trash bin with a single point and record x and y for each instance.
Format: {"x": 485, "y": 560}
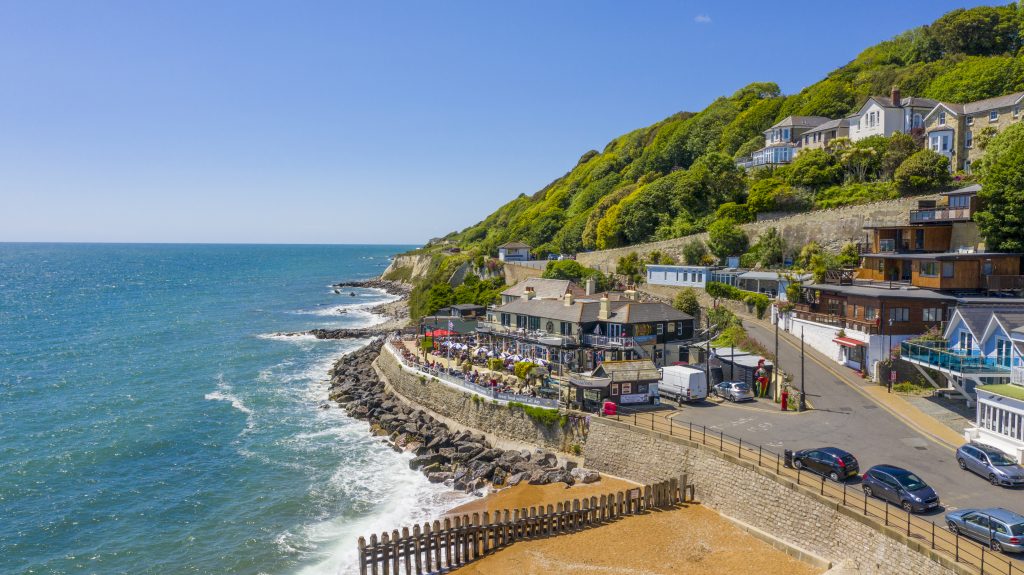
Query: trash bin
{"x": 787, "y": 457}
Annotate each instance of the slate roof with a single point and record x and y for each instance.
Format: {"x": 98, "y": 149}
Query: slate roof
{"x": 628, "y": 370}
{"x": 829, "y": 125}
{"x": 544, "y": 288}
{"x": 971, "y": 189}
{"x": 800, "y": 122}
{"x": 514, "y": 245}
{"x": 908, "y": 102}
{"x": 1003, "y": 101}
{"x": 622, "y": 311}
{"x": 881, "y": 292}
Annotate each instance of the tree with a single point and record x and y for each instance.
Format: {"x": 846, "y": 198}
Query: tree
{"x": 770, "y": 248}
{"x": 440, "y": 295}
{"x": 687, "y": 301}
{"x": 733, "y": 211}
{"x": 1001, "y": 218}
{"x": 815, "y": 169}
{"x": 925, "y": 171}
{"x": 807, "y": 253}
{"x": 694, "y": 252}
{"x": 979, "y": 31}
{"x": 631, "y": 266}
{"x": 658, "y": 257}
{"x": 899, "y": 148}
{"x": 574, "y": 271}
{"x": 726, "y": 239}
{"x": 858, "y": 161}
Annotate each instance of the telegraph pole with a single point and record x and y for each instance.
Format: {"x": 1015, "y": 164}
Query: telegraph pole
{"x": 803, "y": 399}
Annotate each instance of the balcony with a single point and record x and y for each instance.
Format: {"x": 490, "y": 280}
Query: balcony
{"x": 605, "y": 341}
{"x": 936, "y": 355}
{"x": 868, "y": 327}
{"x": 538, "y": 336}
{"x": 1004, "y": 283}
{"x": 928, "y": 215}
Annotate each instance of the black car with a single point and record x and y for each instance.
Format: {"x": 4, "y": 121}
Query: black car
{"x": 899, "y": 487}
{"x": 832, "y": 462}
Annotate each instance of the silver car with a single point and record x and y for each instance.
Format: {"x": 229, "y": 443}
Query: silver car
{"x": 1000, "y": 529}
{"x": 734, "y": 391}
{"x": 991, "y": 464}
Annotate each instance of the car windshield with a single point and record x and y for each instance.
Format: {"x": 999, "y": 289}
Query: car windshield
{"x": 1017, "y": 529}
{"x": 1001, "y": 459}
{"x": 910, "y": 482}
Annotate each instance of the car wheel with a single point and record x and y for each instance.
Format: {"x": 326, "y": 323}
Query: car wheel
{"x": 993, "y": 479}
{"x": 834, "y": 476}
{"x": 962, "y": 464}
{"x": 995, "y": 546}
{"x": 907, "y": 507}
{"x": 868, "y": 492}
{"x": 798, "y": 464}
{"x": 953, "y": 528}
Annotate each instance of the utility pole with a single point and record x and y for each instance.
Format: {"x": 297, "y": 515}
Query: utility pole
{"x": 803, "y": 399}
{"x": 775, "y": 368}
{"x": 707, "y": 353}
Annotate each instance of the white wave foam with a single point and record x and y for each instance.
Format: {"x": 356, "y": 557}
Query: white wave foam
{"x": 224, "y": 393}
{"x": 293, "y": 337}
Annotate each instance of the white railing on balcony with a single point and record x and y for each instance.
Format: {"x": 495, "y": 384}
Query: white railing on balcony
{"x": 539, "y": 336}
{"x": 1017, "y": 375}
{"x": 603, "y": 340}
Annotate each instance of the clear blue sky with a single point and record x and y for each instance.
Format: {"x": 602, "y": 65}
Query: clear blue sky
{"x": 362, "y": 122}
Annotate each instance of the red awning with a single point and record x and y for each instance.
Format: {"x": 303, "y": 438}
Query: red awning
{"x": 849, "y": 342}
{"x": 440, "y": 333}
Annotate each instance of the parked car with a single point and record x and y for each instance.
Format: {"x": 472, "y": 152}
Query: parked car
{"x": 1000, "y": 529}
{"x": 734, "y": 391}
{"x": 832, "y": 462}
{"x": 899, "y": 487}
{"x": 989, "y": 462}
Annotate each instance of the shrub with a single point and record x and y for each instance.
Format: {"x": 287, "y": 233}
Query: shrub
{"x": 541, "y": 415}
{"x": 694, "y": 252}
{"x": 759, "y": 301}
{"x": 726, "y": 239}
{"x": 522, "y": 369}
{"x": 925, "y": 171}
{"x": 495, "y": 364}
{"x": 686, "y": 301}
{"x": 427, "y": 343}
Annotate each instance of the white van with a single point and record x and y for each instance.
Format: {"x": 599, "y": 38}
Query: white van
{"x": 683, "y": 383}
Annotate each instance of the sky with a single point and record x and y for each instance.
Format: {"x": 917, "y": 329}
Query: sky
{"x": 362, "y": 122}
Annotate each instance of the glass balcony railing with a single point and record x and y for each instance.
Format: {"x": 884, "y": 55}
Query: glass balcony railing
{"x": 936, "y": 354}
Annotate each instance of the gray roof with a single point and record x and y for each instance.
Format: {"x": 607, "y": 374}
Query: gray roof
{"x": 466, "y": 306}
{"x": 882, "y": 292}
{"x": 622, "y": 311}
{"x": 1003, "y": 101}
{"x": 971, "y": 189}
{"x": 829, "y": 125}
{"x": 544, "y": 288}
{"x": 908, "y": 102}
{"x": 977, "y": 316}
{"x": 942, "y": 256}
{"x": 628, "y": 370}
{"x": 800, "y": 122}
{"x": 514, "y": 245}
{"x": 764, "y": 275}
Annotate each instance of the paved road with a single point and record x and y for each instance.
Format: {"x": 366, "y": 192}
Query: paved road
{"x": 844, "y": 418}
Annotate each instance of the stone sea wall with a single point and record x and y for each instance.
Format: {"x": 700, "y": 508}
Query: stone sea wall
{"x": 741, "y": 490}
{"x": 503, "y": 425}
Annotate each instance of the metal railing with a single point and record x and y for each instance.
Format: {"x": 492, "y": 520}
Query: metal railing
{"x": 454, "y": 377}
{"x": 606, "y": 341}
{"x": 955, "y": 547}
{"x": 926, "y": 215}
{"x": 1004, "y": 283}
{"x": 936, "y": 354}
{"x": 538, "y": 336}
{"x": 869, "y": 327}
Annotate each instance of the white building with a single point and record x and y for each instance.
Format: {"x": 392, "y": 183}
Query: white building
{"x": 514, "y": 252}
{"x": 886, "y": 115}
{"x": 679, "y": 276}
{"x": 782, "y": 140}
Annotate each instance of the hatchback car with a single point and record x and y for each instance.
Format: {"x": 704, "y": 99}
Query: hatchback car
{"x": 734, "y": 391}
{"x": 1000, "y": 529}
{"x": 832, "y": 462}
{"x": 990, "y": 463}
{"x": 899, "y": 487}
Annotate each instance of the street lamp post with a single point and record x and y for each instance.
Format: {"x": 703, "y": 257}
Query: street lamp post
{"x": 803, "y": 399}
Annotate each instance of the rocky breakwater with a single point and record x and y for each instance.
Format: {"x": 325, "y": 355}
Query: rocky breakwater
{"x": 463, "y": 460}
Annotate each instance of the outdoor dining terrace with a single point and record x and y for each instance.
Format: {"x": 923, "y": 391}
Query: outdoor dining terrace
{"x": 936, "y": 354}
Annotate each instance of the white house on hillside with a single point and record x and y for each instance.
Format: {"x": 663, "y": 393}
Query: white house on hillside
{"x": 886, "y": 115}
{"x": 514, "y": 252}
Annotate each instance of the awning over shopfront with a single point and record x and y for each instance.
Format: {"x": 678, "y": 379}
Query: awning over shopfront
{"x": 849, "y": 342}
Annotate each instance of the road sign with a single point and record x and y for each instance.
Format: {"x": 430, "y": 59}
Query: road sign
{"x": 892, "y": 376}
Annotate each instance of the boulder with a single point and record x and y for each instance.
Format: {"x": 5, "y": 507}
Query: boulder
{"x": 514, "y": 479}
{"x": 424, "y": 460}
{"x": 582, "y": 475}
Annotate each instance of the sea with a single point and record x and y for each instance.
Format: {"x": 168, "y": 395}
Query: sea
{"x": 154, "y": 420}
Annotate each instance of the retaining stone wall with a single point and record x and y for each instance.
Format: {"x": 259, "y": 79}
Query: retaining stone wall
{"x": 754, "y": 496}
{"x": 452, "y": 405}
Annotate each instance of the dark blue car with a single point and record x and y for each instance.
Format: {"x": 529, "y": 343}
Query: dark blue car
{"x": 899, "y": 487}
{"x": 832, "y": 462}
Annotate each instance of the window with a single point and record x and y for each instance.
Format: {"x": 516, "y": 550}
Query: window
{"x": 986, "y": 268}
{"x": 615, "y": 389}
{"x": 566, "y": 328}
{"x": 942, "y": 118}
{"x": 506, "y": 319}
{"x": 520, "y": 321}
{"x": 917, "y": 121}
{"x": 932, "y": 314}
{"x": 661, "y": 329}
{"x": 679, "y": 328}
{"x": 1003, "y": 352}
{"x": 947, "y": 269}
{"x": 966, "y": 342}
{"x": 993, "y": 116}
{"x": 1016, "y": 111}
{"x": 945, "y": 143}
{"x": 930, "y": 269}
{"x": 534, "y": 323}
{"x": 967, "y": 167}
{"x": 856, "y": 309}
{"x": 899, "y": 314}
{"x": 961, "y": 201}
{"x": 870, "y": 313}
{"x": 969, "y": 139}
{"x": 970, "y": 120}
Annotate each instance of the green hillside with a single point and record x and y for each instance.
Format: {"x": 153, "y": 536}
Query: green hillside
{"x": 670, "y": 178}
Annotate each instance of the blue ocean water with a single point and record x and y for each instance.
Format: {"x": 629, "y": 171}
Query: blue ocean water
{"x": 151, "y": 421}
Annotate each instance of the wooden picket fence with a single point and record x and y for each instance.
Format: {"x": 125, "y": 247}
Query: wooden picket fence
{"x": 457, "y": 541}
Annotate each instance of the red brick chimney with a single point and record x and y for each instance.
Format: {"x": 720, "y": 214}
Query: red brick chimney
{"x": 896, "y": 96}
